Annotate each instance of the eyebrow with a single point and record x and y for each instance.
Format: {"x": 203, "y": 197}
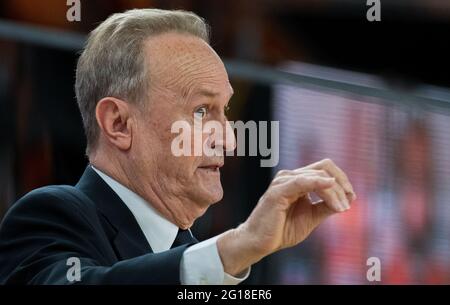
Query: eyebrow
{"x": 208, "y": 92}
{"x": 211, "y": 93}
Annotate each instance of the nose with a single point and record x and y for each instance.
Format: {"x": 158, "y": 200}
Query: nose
{"x": 225, "y": 138}
{"x": 230, "y": 139}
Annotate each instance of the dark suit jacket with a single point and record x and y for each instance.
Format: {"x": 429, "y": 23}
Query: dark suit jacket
{"x": 89, "y": 221}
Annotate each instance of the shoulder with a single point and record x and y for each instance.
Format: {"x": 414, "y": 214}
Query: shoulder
{"x": 54, "y": 201}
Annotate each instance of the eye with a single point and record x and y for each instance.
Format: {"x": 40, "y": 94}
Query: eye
{"x": 201, "y": 112}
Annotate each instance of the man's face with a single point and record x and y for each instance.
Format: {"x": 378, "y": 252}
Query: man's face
{"x": 188, "y": 82}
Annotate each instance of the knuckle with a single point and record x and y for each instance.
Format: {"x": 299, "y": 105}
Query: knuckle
{"x": 269, "y": 196}
{"x": 328, "y": 162}
{"x": 322, "y": 173}
{"x": 282, "y": 172}
{"x": 277, "y": 180}
{"x": 299, "y": 179}
{"x": 328, "y": 190}
{"x": 341, "y": 192}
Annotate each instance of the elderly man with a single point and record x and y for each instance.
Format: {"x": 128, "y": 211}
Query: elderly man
{"x": 127, "y": 220}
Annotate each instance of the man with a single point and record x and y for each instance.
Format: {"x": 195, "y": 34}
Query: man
{"x": 127, "y": 220}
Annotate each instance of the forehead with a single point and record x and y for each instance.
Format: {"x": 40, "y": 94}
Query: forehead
{"x": 185, "y": 63}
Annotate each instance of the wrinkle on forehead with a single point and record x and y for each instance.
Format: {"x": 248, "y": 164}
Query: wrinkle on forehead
{"x": 181, "y": 63}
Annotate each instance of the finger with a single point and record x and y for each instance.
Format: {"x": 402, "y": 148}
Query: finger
{"x": 343, "y": 201}
{"x": 301, "y": 171}
{"x": 283, "y": 174}
{"x": 341, "y": 178}
{"x": 335, "y": 196}
{"x": 286, "y": 175}
{"x": 350, "y": 198}
{"x": 298, "y": 186}
{"x": 331, "y": 198}
{"x": 336, "y": 172}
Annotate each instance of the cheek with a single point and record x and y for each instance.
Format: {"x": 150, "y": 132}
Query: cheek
{"x": 189, "y": 164}
{"x": 159, "y": 138}
{"x": 181, "y": 166}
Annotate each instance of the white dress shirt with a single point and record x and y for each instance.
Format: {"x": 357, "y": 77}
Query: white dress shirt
{"x": 200, "y": 263}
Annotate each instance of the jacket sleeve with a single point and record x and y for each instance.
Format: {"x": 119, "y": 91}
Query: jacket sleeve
{"x": 45, "y": 228}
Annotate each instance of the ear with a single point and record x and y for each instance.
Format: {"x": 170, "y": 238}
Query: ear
{"x": 114, "y": 119}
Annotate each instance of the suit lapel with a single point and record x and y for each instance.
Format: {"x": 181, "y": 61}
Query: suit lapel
{"x": 129, "y": 240}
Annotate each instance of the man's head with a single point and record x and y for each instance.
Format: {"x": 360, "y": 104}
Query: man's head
{"x": 140, "y": 72}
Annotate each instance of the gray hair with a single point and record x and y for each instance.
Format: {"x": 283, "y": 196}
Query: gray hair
{"x": 112, "y": 62}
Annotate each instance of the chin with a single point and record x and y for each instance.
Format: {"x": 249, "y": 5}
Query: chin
{"x": 204, "y": 199}
{"x": 218, "y": 196}
{"x": 212, "y": 195}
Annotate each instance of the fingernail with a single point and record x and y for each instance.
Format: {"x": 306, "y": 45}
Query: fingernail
{"x": 351, "y": 196}
{"x": 346, "y": 205}
{"x": 339, "y": 207}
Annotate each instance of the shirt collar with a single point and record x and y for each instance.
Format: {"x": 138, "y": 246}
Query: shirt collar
{"x": 159, "y": 232}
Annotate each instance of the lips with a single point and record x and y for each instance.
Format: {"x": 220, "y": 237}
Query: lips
{"x": 212, "y": 166}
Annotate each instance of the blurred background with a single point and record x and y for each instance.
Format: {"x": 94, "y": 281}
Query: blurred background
{"x": 372, "y": 96}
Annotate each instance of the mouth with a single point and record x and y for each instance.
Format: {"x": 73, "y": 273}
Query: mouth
{"x": 213, "y": 168}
